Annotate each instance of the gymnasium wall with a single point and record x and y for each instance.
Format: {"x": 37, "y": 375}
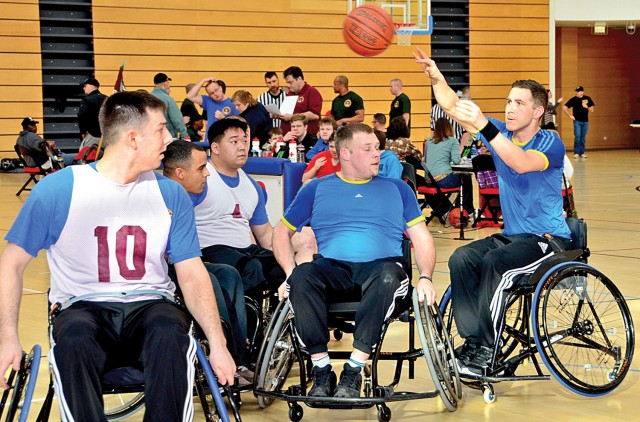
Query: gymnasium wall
{"x": 509, "y": 40}
{"x": 607, "y": 66}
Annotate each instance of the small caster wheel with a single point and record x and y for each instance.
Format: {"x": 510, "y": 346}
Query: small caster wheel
{"x": 295, "y": 413}
{"x": 384, "y": 414}
{"x": 488, "y": 395}
{"x": 337, "y": 334}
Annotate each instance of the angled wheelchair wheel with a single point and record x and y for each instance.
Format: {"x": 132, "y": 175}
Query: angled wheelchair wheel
{"x": 21, "y": 386}
{"x": 208, "y": 389}
{"x": 438, "y": 351}
{"x": 583, "y": 329}
{"x": 121, "y": 406}
{"x": 276, "y": 354}
{"x": 515, "y": 322}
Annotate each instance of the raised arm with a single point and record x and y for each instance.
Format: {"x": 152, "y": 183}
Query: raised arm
{"x": 445, "y": 96}
{"x": 13, "y": 262}
{"x": 194, "y": 94}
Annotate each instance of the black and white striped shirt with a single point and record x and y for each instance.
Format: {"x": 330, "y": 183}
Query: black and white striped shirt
{"x": 437, "y": 112}
{"x": 268, "y": 98}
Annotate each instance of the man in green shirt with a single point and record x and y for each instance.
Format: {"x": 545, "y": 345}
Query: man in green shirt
{"x": 348, "y": 106}
{"x": 401, "y": 104}
{"x": 173, "y": 116}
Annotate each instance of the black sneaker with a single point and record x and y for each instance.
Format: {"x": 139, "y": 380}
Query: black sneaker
{"x": 350, "y": 382}
{"x": 324, "y": 381}
{"x": 466, "y": 352}
{"x": 481, "y": 359}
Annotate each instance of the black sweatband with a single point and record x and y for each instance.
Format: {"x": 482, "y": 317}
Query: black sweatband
{"x": 490, "y": 131}
{"x": 425, "y": 276}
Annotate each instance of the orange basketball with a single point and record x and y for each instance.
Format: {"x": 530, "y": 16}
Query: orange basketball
{"x": 368, "y": 30}
{"x": 454, "y": 218}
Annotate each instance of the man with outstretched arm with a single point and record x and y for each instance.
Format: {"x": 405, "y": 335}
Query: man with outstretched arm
{"x": 529, "y": 164}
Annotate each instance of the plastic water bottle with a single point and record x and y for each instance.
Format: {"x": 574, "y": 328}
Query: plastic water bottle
{"x": 267, "y": 151}
{"x": 255, "y": 147}
{"x": 474, "y": 150}
{"x": 300, "y": 153}
{"x": 292, "y": 151}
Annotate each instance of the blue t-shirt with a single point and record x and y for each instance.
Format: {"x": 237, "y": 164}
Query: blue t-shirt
{"x": 226, "y": 106}
{"x": 319, "y": 147}
{"x": 532, "y": 202}
{"x": 44, "y": 215}
{"x": 355, "y": 221}
{"x": 390, "y": 165}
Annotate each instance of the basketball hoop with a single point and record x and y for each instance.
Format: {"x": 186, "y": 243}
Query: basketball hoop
{"x": 404, "y": 32}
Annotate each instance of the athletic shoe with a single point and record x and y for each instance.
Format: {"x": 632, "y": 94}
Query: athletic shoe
{"x": 584, "y": 156}
{"x": 245, "y": 374}
{"x": 576, "y": 156}
{"x": 350, "y": 382}
{"x": 480, "y": 361}
{"x": 466, "y": 352}
{"x": 324, "y": 381}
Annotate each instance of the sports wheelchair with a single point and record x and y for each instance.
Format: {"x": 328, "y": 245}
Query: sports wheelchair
{"x": 568, "y": 313}
{"x": 281, "y": 349}
{"x": 123, "y": 387}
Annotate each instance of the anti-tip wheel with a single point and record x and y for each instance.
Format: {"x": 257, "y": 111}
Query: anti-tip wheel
{"x": 384, "y": 413}
{"x": 488, "y": 395}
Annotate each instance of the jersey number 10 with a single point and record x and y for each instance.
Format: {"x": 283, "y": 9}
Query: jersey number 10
{"x": 139, "y": 252}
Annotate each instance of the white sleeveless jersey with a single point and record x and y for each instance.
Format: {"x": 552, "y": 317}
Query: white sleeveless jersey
{"x": 114, "y": 239}
{"x": 222, "y": 218}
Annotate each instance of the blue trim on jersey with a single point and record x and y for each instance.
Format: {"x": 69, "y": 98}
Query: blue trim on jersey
{"x": 44, "y": 213}
{"x": 356, "y": 222}
{"x": 532, "y": 202}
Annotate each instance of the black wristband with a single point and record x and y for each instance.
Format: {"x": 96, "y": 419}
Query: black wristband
{"x": 489, "y": 132}
{"x": 425, "y": 276}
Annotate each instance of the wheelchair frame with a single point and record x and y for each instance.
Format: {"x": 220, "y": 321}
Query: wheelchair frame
{"x": 575, "y": 324}
{"x": 205, "y": 383}
{"x": 281, "y": 336}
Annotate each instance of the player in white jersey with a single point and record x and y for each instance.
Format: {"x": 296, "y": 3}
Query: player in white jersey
{"x": 107, "y": 229}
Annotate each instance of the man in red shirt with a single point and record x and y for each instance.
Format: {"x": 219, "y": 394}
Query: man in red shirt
{"x": 309, "y": 100}
{"x": 323, "y": 164}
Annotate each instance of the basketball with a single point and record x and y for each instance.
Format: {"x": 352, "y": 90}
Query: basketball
{"x": 454, "y": 218}
{"x": 368, "y": 30}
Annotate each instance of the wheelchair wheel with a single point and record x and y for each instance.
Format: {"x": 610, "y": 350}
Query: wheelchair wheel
{"x": 121, "y": 406}
{"x": 21, "y": 386}
{"x": 438, "y": 352}
{"x": 583, "y": 329}
{"x": 276, "y": 354}
{"x": 208, "y": 390}
{"x": 515, "y": 322}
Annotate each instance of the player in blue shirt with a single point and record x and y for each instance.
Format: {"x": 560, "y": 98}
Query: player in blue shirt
{"x": 529, "y": 163}
{"x": 107, "y": 229}
{"x": 358, "y": 220}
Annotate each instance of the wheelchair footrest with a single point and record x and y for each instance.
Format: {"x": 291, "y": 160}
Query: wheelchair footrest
{"x": 344, "y": 403}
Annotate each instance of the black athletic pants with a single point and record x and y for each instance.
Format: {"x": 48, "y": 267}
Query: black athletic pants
{"x": 482, "y": 271}
{"x": 314, "y": 284}
{"x": 91, "y": 338}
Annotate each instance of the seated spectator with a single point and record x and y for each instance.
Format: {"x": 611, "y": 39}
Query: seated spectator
{"x": 379, "y": 123}
{"x": 389, "y": 163}
{"x": 441, "y": 150}
{"x": 398, "y": 141}
{"x": 323, "y": 164}
{"x": 299, "y": 133}
{"x": 194, "y": 128}
{"x": 355, "y": 253}
{"x": 254, "y": 113}
{"x": 327, "y": 127}
{"x": 40, "y": 152}
{"x": 278, "y": 148}
{"x": 215, "y": 104}
{"x": 186, "y": 163}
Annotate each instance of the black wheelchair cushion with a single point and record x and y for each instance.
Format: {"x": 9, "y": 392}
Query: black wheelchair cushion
{"x": 552, "y": 261}
{"x": 125, "y": 376}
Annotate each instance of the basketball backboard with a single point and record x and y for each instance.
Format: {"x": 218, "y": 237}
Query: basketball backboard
{"x": 408, "y": 15}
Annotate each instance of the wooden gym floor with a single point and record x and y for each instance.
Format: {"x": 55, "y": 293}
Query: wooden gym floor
{"x": 607, "y": 192}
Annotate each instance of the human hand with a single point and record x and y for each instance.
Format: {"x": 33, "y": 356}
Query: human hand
{"x": 208, "y": 79}
{"x": 289, "y": 136}
{"x": 560, "y": 99}
{"x": 319, "y": 163}
{"x": 219, "y": 115}
{"x": 470, "y": 117}
{"x": 283, "y": 291}
{"x": 222, "y": 363}
{"x": 10, "y": 355}
{"x": 428, "y": 65}
{"x": 426, "y": 291}
{"x": 286, "y": 117}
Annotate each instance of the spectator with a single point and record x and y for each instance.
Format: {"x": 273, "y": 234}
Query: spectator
{"x": 299, "y": 133}
{"x": 254, "y": 113}
{"x": 175, "y": 122}
{"x": 548, "y": 120}
{"x": 379, "y": 123}
{"x": 88, "y": 113}
{"x": 323, "y": 163}
{"x": 309, "y": 100}
{"x": 389, "y": 163}
{"x": 188, "y": 108}
{"x": 348, "y": 106}
{"x": 216, "y": 103}
{"x": 581, "y": 105}
{"x": 401, "y": 104}
{"x": 327, "y": 127}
